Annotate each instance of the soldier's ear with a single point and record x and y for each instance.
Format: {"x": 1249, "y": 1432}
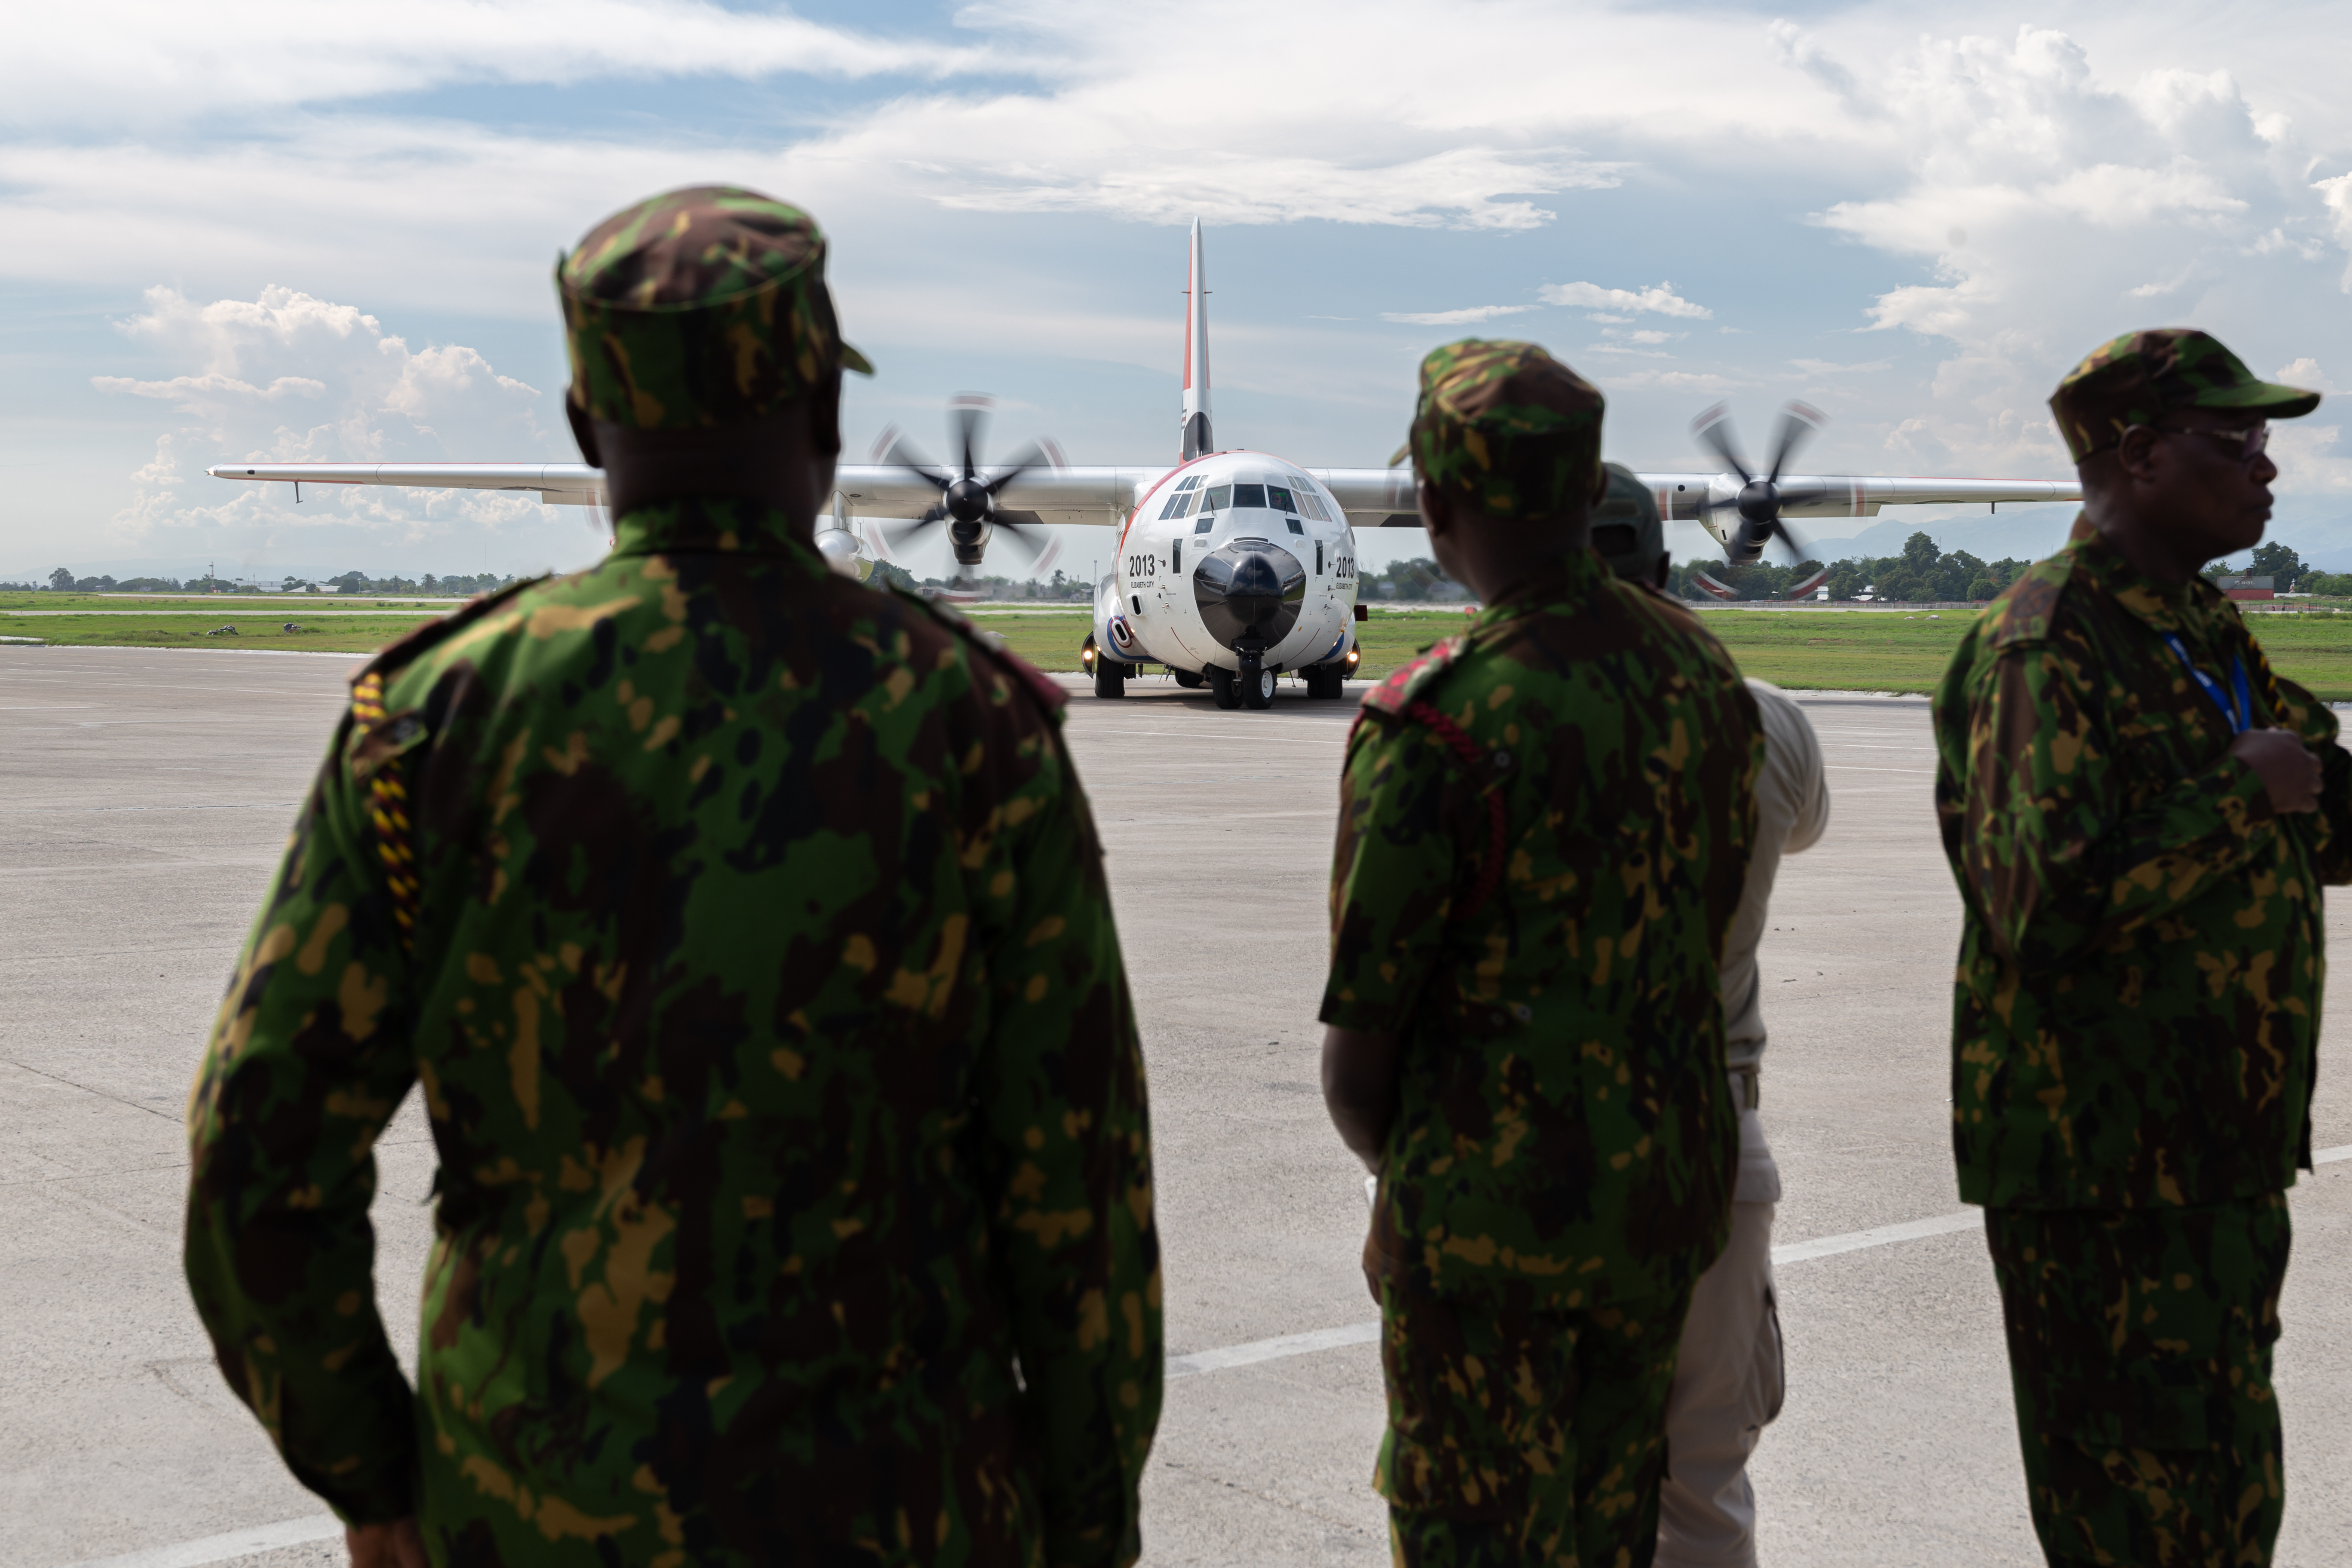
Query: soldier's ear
{"x": 2134, "y": 455}
{"x": 824, "y": 416}
{"x": 1435, "y": 515}
{"x": 584, "y": 431}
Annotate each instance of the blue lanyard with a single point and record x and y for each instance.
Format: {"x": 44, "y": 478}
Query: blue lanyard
{"x": 2241, "y": 716}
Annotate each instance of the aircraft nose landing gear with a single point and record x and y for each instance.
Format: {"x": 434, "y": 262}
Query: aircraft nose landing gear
{"x": 1257, "y": 683}
{"x": 1225, "y": 688}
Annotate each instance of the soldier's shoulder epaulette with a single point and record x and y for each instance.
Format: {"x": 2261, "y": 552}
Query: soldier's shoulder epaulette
{"x": 379, "y": 734}
{"x": 989, "y": 649}
{"x": 403, "y": 651}
{"x": 2028, "y": 609}
{"x": 1411, "y": 683}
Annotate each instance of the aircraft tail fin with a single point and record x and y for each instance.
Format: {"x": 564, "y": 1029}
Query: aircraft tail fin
{"x": 1196, "y": 437}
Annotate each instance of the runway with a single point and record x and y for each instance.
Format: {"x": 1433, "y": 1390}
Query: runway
{"x": 145, "y": 796}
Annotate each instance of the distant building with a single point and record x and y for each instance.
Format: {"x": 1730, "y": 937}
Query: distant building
{"x": 2238, "y": 587}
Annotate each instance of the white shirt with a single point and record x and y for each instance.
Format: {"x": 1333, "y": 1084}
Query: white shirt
{"x": 1792, "y": 808}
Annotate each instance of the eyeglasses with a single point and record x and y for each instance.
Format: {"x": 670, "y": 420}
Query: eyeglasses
{"x": 2244, "y": 445}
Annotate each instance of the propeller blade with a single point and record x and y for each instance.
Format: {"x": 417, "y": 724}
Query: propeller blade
{"x": 1027, "y": 545}
{"x": 1713, "y": 431}
{"x": 1032, "y": 456}
{"x": 1799, "y": 554}
{"x": 901, "y": 534}
{"x": 967, "y": 412}
{"x": 892, "y": 449}
{"x": 1798, "y": 421}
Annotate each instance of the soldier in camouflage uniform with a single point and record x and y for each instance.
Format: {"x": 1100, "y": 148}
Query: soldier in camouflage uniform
{"x": 2132, "y": 807}
{"x": 746, "y": 932}
{"x": 1544, "y": 824}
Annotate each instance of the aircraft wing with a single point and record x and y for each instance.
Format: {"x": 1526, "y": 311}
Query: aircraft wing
{"x": 557, "y": 484}
{"x": 1098, "y": 496}
{"x": 1377, "y": 498}
{"x": 1856, "y": 495}
{"x": 1069, "y": 495}
{"x": 1373, "y": 498}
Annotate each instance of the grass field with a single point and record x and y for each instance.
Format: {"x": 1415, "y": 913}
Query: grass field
{"x": 1848, "y": 650}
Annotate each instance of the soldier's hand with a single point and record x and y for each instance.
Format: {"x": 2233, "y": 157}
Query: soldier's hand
{"x": 394, "y": 1545}
{"x": 2288, "y": 767}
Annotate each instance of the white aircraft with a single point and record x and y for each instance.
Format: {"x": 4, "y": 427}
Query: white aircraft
{"x": 1232, "y": 566}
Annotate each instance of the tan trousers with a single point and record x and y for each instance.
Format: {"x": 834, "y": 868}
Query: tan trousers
{"x": 1727, "y": 1388}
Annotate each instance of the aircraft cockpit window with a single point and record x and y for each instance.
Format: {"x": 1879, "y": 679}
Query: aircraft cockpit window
{"x": 1178, "y": 504}
{"x": 1247, "y": 495}
{"x": 1311, "y": 504}
{"x": 1279, "y": 498}
{"x": 1188, "y": 482}
{"x": 1220, "y": 497}
{"x": 1205, "y": 524}
{"x": 1295, "y": 526}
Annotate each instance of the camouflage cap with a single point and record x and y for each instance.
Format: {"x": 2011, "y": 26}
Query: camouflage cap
{"x": 1506, "y": 429}
{"x": 1627, "y": 531}
{"x": 2136, "y": 378}
{"x": 700, "y": 307}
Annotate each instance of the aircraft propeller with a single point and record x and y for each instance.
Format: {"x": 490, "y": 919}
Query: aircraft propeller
{"x": 1761, "y": 500}
{"x": 967, "y": 491}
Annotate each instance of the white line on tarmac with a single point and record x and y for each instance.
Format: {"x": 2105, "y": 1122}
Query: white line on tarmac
{"x": 235, "y": 1543}
{"x": 263, "y": 1538}
{"x": 1794, "y": 1252}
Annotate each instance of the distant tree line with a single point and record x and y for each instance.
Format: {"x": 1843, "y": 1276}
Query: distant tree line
{"x": 1061, "y": 587}
{"x": 1923, "y": 574}
{"x": 2288, "y": 573}
{"x": 62, "y": 581}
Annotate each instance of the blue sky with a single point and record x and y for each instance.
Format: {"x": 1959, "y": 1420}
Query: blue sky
{"x": 246, "y": 229}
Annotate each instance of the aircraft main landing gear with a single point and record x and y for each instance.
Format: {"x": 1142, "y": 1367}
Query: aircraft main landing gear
{"x": 1190, "y": 680}
{"x": 1110, "y": 678}
{"x": 1327, "y": 680}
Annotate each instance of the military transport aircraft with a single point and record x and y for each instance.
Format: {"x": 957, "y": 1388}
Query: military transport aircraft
{"x": 1232, "y": 566}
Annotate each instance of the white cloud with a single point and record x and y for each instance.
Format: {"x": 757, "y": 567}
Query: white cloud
{"x": 2306, "y": 373}
{"x": 2037, "y": 192}
{"x": 1454, "y": 318}
{"x": 1831, "y": 367}
{"x": 2308, "y": 459}
{"x": 1999, "y": 198}
{"x": 1678, "y": 381}
{"x": 2338, "y": 194}
{"x": 1660, "y": 299}
{"x": 361, "y": 395}
{"x": 145, "y": 62}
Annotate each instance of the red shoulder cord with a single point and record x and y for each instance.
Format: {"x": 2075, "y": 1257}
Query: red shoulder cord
{"x": 388, "y": 811}
{"x": 1497, "y": 824}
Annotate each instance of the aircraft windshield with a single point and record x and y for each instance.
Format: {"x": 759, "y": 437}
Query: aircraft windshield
{"x": 1249, "y": 494}
{"x": 1222, "y": 496}
{"x": 1278, "y": 499}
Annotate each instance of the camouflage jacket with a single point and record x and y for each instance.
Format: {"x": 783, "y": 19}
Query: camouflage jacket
{"x": 2139, "y": 987}
{"x": 1544, "y": 824}
{"x": 747, "y": 932}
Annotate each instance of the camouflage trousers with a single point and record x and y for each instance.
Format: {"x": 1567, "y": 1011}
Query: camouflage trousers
{"x": 1520, "y": 1439}
{"x": 2139, "y": 1349}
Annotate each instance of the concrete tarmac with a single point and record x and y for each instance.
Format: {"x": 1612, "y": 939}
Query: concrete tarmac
{"x": 144, "y": 797}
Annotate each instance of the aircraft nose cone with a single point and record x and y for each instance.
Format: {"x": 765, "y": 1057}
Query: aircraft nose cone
{"x": 1249, "y": 593}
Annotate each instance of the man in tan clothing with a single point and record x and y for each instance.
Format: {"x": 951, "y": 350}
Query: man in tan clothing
{"x": 1728, "y": 1384}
